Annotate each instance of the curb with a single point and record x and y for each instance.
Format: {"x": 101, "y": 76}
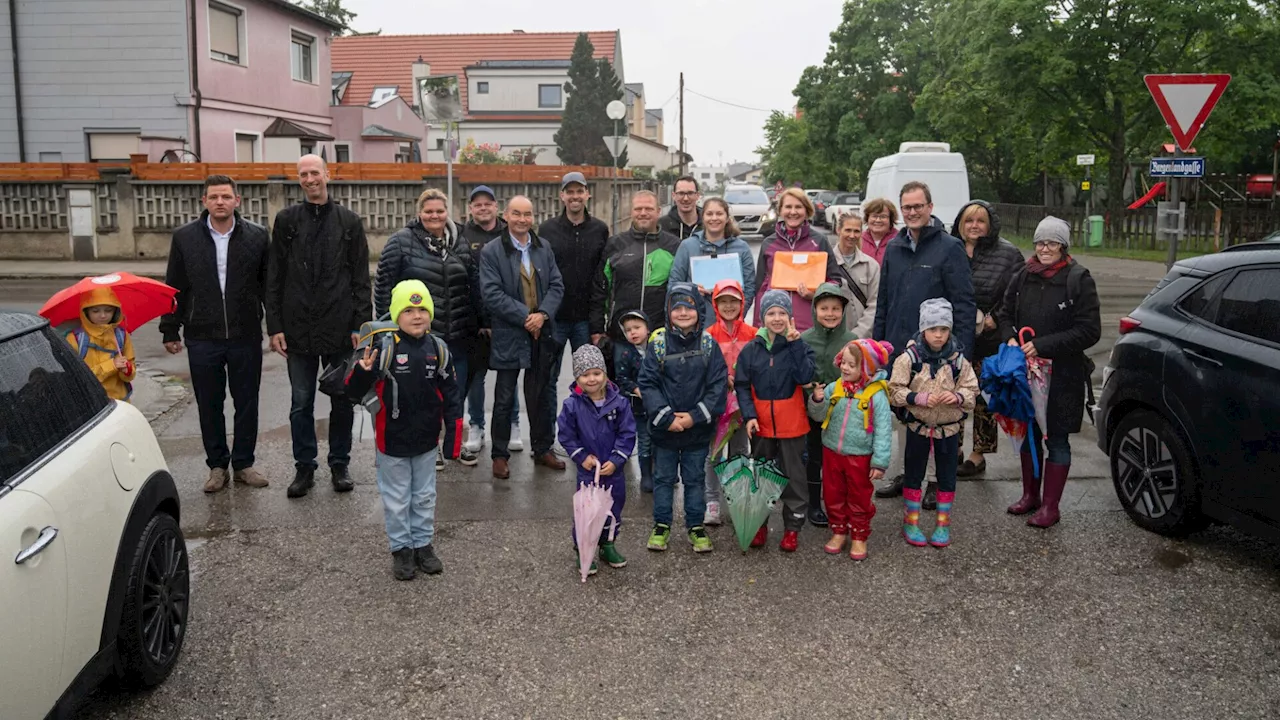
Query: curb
{"x": 173, "y": 394}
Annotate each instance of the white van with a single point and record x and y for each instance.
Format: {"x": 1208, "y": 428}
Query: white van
{"x": 931, "y": 163}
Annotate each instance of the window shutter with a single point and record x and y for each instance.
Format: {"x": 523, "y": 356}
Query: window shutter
{"x": 224, "y": 32}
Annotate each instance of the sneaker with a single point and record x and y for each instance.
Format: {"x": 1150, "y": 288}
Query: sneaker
{"x": 701, "y": 543}
{"x": 577, "y": 564}
{"x": 475, "y": 439}
{"x": 217, "y": 480}
{"x": 468, "y": 458}
{"x": 426, "y": 560}
{"x": 439, "y": 461}
{"x": 402, "y": 566}
{"x": 659, "y": 537}
{"x": 516, "y": 443}
{"x": 713, "y": 513}
{"x": 249, "y": 476}
{"x": 610, "y": 555}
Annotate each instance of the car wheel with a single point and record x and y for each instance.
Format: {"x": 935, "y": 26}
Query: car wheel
{"x": 1153, "y": 475}
{"x": 153, "y": 622}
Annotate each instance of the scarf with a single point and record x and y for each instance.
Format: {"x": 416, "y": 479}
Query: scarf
{"x": 1035, "y": 267}
{"x": 793, "y": 237}
{"x": 435, "y": 245}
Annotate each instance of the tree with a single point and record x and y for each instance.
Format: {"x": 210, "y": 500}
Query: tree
{"x": 592, "y": 85}
{"x": 790, "y": 155}
{"x": 333, "y": 10}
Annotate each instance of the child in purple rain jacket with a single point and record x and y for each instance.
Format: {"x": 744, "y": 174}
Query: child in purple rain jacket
{"x": 597, "y": 429}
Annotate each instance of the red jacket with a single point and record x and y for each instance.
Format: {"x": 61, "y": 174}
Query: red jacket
{"x": 869, "y": 246}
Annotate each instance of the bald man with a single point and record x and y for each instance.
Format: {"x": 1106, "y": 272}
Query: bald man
{"x": 317, "y": 297}
{"x": 522, "y": 290}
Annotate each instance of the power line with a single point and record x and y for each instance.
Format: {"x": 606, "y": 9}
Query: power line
{"x": 725, "y": 102}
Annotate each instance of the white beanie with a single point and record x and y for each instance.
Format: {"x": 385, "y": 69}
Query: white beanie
{"x": 935, "y": 312}
{"x": 1055, "y": 230}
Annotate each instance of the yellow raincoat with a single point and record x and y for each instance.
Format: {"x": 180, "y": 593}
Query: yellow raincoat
{"x": 102, "y": 346}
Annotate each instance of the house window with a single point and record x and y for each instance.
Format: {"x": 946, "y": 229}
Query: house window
{"x": 440, "y": 144}
{"x": 482, "y": 88}
{"x": 404, "y": 153}
{"x": 303, "y": 52}
{"x": 225, "y": 32}
{"x": 112, "y": 146}
{"x": 51, "y": 157}
{"x": 549, "y": 96}
{"x": 341, "y": 153}
{"x": 383, "y": 94}
{"x": 706, "y": 176}
{"x": 246, "y": 147}
{"x": 308, "y": 147}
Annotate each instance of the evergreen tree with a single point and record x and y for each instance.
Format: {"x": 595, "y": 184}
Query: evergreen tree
{"x": 333, "y": 10}
{"x": 592, "y": 85}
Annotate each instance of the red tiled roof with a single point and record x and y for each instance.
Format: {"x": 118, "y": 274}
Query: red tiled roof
{"x": 384, "y": 60}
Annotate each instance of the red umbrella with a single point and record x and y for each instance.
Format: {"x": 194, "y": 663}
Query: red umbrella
{"x": 141, "y": 299}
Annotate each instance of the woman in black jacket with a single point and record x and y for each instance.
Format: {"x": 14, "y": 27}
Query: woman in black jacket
{"x": 1057, "y": 298}
{"x": 429, "y": 249}
{"x": 993, "y": 261}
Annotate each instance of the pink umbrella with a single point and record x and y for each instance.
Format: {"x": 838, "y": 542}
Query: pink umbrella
{"x": 730, "y": 421}
{"x": 1039, "y": 373}
{"x": 592, "y": 508}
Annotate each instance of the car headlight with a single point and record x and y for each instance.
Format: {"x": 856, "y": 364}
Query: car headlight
{"x": 769, "y": 215}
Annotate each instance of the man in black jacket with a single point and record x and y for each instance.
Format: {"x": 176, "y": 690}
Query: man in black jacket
{"x": 685, "y": 217}
{"x": 318, "y": 295}
{"x": 218, "y": 264}
{"x": 578, "y": 241}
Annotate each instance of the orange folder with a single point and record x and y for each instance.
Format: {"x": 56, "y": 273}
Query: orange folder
{"x": 792, "y": 268}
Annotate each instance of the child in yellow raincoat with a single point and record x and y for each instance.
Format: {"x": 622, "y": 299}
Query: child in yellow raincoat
{"x": 103, "y": 345}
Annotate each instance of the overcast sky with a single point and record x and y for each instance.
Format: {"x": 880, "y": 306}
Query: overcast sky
{"x": 746, "y": 52}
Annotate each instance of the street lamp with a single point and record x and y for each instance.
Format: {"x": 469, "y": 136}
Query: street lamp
{"x": 617, "y": 144}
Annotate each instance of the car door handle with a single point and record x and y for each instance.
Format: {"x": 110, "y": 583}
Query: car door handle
{"x": 46, "y": 537}
{"x": 1204, "y": 358}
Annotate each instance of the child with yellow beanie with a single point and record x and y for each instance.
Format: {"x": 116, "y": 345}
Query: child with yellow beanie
{"x": 418, "y": 392}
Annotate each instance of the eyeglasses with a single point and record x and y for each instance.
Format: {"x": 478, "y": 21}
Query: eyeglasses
{"x": 687, "y": 193}
{"x": 880, "y": 216}
{"x": 914, "y": 208}
{"x": 1048, "y": 243}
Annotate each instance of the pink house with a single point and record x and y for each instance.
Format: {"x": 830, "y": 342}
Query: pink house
{"x": 387, "y": 131}
{"x": 262, "y": 82}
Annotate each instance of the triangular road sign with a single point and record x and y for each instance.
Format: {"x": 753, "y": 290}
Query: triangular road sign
{"x": 1185, "y": 101}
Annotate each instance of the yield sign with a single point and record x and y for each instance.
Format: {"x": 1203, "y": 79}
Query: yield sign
{"x": 1185, "y": 101}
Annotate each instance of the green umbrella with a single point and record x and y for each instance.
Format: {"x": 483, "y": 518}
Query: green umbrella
{"x": 751, "y": 487}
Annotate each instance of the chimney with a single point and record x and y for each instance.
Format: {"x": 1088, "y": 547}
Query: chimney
{"x": 421, "y": 69}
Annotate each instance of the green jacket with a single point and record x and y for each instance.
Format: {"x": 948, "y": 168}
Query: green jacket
{"x": 633, "y": 276}
{"x": 826, "y": 343}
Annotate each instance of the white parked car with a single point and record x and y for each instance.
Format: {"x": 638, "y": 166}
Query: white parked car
{"x": 749, "y": 206}
{"x": 94, "y": 577}
{"x": 843, "y": 204}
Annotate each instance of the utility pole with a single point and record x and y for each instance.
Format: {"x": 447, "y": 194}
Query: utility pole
{"x": 682, "y": 168}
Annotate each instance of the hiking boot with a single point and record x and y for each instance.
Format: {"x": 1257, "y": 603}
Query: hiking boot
{"x": 341, "y": 479}
{"x": 217, "y": 480}
{"x": 475, "y": 439}
{"x": 713, "y": 513}
{"x": 577, "y": 563}
{"x": 402, "y": 564}
{"x": 610, "y": 555}
{"x": 426, "y": 560}
{"x": 762, "y": 537}
{"x": 790, "y": 541}
{"x": 500, "y": 468}
{"x": 893, "y": 489}
{"x": 549, "y": 459}
{"x": 468, "y": 458}
{"x": 249, "y": 476}
{"x": 659, "y": 537}
{"x": 701, "y": 543}
{"x": 303, "y": 480}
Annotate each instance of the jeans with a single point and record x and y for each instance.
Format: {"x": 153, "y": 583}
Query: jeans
{"x": 1059, "y": 446}
{"x": 303, "y": 372}
{"x": 214, "y": 363}
{"x": 542, "y": 421}
{"x": 408, "y": 489}
{"x": 458, "y": 354}
{"x": 576, "y": 334}
{"x": 475, "y": 403}
{"x": 687, "y": 465}
{"x": 946, "y": 452}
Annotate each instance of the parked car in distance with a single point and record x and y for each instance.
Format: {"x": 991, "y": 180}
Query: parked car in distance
{"x": 94, "y": 578}
{"x": 820, "y": 204}
{"x": 749, "y": 206}
{"x": 843, "y": 204}
{"x": 1190, "y": 408}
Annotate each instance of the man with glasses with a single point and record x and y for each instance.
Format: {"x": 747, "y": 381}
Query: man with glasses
{"x": 685, "y": 217}
{"x": 922, "y": 262}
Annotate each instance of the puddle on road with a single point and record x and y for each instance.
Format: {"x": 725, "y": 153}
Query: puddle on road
{"x": 1171, "y": 559}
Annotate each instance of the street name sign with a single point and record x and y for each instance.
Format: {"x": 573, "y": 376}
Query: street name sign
{"x": 1084, "y": 159}
{"x": 1177, "y": 167}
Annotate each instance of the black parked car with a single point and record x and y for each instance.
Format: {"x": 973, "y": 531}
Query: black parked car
{"x": 1190, "y": 407}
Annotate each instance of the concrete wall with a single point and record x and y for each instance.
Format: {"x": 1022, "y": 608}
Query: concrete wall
{"x": 91, "y": 64}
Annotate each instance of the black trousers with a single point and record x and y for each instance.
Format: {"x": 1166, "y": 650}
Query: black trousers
{"x": 542, "y": 431}
{"x": 215, "y": 365}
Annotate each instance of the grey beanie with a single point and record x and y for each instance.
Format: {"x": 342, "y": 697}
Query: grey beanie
{"x": 1054, "y": 229}
{"x": 587, "y": 357}
{"x": 935, "y": 312}
{"x": 775, "y": 298}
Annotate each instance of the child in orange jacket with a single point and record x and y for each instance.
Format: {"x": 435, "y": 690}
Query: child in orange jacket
{"x": 103, "y": 344}
{"x": 732, "y": 333}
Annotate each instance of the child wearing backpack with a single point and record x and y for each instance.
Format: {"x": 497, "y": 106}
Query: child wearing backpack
{"x": 933, "y": 387}
{"x": 627, "y": 357}
{"x": 770, "y": 379}
{"x": 683, "y": 380}
{"x": 598, "y": 430}
{"x": 828, "y": 336}
{"x": 857, "y": 441}
{"x": 732, "y": 333}
{"x": 413, "y": 375}
{"x": 103, "y": 345}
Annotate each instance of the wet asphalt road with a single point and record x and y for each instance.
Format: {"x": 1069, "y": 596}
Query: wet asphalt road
{"x": 295, "y": 614}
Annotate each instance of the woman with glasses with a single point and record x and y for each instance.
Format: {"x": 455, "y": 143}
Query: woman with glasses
{"x": 1057, "y": 299}
{"x": 428, "y": 249}
{"x": 881, "y": 219}
{"x": 795, "y": 233}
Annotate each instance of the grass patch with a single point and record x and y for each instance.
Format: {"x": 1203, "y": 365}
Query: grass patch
{"x": 1159, "y": 256}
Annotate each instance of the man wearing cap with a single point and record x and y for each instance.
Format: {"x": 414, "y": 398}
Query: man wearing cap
{"x": 483, "y": 224}
{"x": 578, "y": 241}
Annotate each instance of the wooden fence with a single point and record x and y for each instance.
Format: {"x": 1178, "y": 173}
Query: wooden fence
{"x": 1208, "y": 229}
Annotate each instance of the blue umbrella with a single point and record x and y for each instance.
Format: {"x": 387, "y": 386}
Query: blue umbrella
{"x": 1008, "y": 394}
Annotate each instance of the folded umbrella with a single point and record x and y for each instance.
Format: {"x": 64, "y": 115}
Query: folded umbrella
{"x": 1008, "y": 393}
{"x": 592, "y": 509}
{"x": 141, "y": 299}
{"x": 1039, "y": 373}
{"x": 751, "y": 489}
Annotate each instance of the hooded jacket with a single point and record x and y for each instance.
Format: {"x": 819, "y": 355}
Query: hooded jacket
{"x": 697, "y": 244}
{"x": 579, "y": 251}
{"x": 607, "y": 431}
{"x": 687, "y": 380}
{"x": 859, "y": 424}
{"x": 936, "y": 267}
{"x": 732, "y": 336}
{"x": 205, "y": 311}
{"x": 633, "y": 276}
{"x": 770, "y": 379}
{"x": 994, "y": 263}
{"x": 864, "y": 274}
{"x": 626, "y": 368}
{"x": 448, "y": 269}
{"x": 826, "y": 342}
{"x": 775, "y": 243}
{"x": 672, "y": 223}
{"x": 102, "y": 350}
{"x": 911, "y": 390}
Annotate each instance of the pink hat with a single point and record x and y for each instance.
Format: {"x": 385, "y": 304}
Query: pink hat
{"x": 873, "y": 353}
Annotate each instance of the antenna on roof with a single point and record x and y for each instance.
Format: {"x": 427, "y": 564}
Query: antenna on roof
{"x": 518, "y": 32}
{"x": 420, "y": 59}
